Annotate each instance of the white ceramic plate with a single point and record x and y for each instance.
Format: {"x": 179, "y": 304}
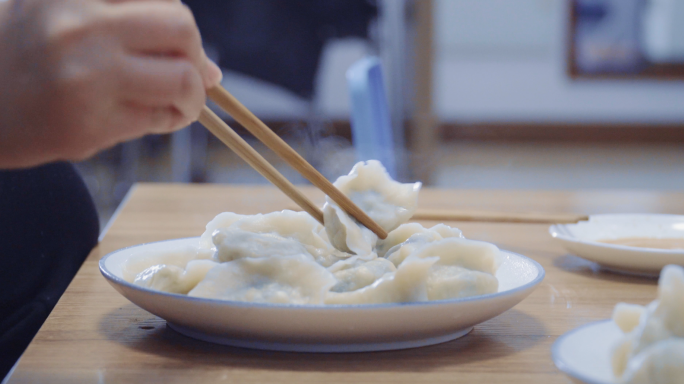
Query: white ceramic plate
{"x": 584, "y": 353}
{"x": 319, "y": 328}
{"x": 581, "y": 240}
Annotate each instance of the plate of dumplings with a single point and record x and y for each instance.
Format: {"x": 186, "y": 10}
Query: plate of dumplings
{"x": 282, "y": 281}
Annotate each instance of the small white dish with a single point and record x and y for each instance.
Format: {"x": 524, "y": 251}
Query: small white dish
{"x": 582, "y": 239}
{"x": 584, "y": 353}
{"x": 319, "y": 328}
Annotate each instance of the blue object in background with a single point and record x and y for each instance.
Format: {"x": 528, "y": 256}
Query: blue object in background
{"x": 370, "y": 118}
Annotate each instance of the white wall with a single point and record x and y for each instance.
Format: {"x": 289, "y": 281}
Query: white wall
{"x": 503, "y": 60}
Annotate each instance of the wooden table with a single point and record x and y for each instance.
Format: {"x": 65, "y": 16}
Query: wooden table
{"x": 94, "y": 335}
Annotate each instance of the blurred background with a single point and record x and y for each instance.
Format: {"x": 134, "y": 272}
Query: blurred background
{"x": 543, "y": 94}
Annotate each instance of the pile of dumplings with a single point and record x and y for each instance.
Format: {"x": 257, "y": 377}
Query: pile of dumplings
{"x": 652, "y": 347}
{"x": 289, "y": 258}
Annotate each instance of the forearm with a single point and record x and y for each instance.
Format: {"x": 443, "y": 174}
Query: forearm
{"x": 11, "y": 151}
{"x": 19, "y": 146}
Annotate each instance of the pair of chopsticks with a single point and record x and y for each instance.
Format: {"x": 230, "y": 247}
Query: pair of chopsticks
{"x": 256, "y": 127}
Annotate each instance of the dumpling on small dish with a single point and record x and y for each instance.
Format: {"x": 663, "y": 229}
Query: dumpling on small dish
{"x": 174, "y": 279}
{"x": 281, "y": 280}
{"x": 652, "y": 349}
{"x": 658, "y": 363}
{"x": 407, "y": 284}
{"x": 627, "y": 316}
{"x": 388, "y": 202}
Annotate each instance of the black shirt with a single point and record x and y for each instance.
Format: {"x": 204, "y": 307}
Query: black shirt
{"x": 48, "y": 226}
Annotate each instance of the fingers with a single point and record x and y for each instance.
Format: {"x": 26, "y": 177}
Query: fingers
{"x": 160, "y": 82}
{"x": 162, "y": 27}
{"x": 214, "y": 75}
{"x": 157, "y": 28}
{"x": 155, "y": 120}
{"x": 129, "y": 121}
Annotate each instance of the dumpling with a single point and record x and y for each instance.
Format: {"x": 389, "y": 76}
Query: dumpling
{"x": 362, "y": 275}
{"x": 284, "y": 280}
{"x": 174, "y": 279}
{"x": 451, "y": 281}
{"x": 661, "y": 363}
{"x": 180, "y": 258}
{"x": 298, "y": 226}
{"x": 400, "y": 252}
{"x": 627, "y": 316}
{"x": 346, "y": 234}
{"x": 388, "y": 202}
{"x": 349, "y": 263}
{"x": 286, "y": 227}
{"x": 401, "y": 242}
{"x": 405, "y": 231}
{"x": 671, "y": 299}
{"x": 465, "y": 268}
{"x": 640, "y": 356}
{"x": 222, "y": 220}
{"x": 446, "y": 231}
{"x": 407, "y": 284}
{"x": 233, "y": 243}
{"x": 470, "y": 254}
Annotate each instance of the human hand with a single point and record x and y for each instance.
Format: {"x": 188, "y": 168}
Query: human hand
{"x": 78, "y": 76}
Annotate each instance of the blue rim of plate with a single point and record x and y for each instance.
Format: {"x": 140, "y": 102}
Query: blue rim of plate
{"x": 563, "y": 366}
{"x": 560, "y": 231}
{"x": 541, "y": 273}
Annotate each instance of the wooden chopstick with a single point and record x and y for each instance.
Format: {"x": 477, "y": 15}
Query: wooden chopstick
{"x": 242, "y": 115}
{"x": 497, "y": 217}
{"x": 230, "y": 138}
{"x": 494, "y": 217}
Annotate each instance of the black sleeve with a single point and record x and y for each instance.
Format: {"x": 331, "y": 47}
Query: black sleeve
{"x": 48, "y": 226}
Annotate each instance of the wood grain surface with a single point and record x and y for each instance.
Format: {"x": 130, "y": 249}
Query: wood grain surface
{"x": 94, "y": 335}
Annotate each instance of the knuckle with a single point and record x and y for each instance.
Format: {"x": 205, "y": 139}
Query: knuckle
{"x": 67, "y": 26}
{"x": 76, "y": 79}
